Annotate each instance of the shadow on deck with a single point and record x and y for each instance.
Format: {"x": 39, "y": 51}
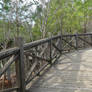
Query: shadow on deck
{"x": 71, "y": 73}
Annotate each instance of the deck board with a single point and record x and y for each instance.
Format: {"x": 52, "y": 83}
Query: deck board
{"x": 71, "y": 73}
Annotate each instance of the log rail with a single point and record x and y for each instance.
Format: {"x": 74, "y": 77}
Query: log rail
{"x": 32, "y": 58}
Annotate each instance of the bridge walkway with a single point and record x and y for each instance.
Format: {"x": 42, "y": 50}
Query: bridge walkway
{"x": 71, "y": 73}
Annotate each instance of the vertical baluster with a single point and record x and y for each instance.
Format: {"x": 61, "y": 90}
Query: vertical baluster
{"x": 76, "y": 41}
{"x": 61, "y": 43}
{"x": 84, "y": 37}
{"x": 91, "y": 38}
{"x": 50, "y": 52}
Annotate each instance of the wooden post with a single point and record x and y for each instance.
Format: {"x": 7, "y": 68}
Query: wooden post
{"x": 84, "y": 41}
{"x": 50, "y": 52}
{"x": 20, "y": 71}
{"x": 76, "y": 40}
{"x": 61, "y": 43}
{"x": 91, "y": 38}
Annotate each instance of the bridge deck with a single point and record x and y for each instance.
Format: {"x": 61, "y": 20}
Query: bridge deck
{"x": 71, "y": 73}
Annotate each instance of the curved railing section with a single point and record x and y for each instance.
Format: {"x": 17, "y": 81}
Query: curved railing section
{"x": 22, "y": 64}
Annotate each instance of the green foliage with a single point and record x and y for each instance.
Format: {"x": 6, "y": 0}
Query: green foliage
{"x": 70, "y": 16}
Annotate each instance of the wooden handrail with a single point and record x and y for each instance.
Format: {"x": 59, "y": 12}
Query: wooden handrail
{"x": 9, "y": 52}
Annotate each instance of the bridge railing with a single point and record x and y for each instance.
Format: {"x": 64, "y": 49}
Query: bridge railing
{"x": 76, "y": 41}
{"x": 28, "y": 61}
{"x": 41, "y": 54}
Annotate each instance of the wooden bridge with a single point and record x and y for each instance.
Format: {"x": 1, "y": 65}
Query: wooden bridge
{"x": 57, "y": 64}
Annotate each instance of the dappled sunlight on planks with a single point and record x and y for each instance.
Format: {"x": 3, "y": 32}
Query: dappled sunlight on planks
{"x": 71, "y": 73}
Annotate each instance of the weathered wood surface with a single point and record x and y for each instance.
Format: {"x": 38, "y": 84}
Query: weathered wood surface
{"x": 71, "y": 73}
{"x": 27, "y": 46}
{"x": 20, "y": 66}
{"x": 7, "y": 65}
{"x": 44, "y": 50}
